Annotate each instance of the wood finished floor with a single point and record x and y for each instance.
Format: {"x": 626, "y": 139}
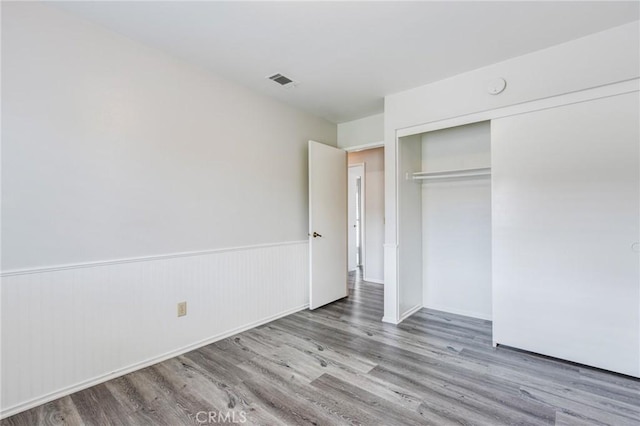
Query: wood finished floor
{"x": 341, "y": 365}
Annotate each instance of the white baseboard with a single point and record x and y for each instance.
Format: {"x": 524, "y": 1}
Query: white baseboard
{"x": 390, "y": 320}
{"x": 134, "y": 367}
{"x": 410, "y": 312}
{"x": 462, "y": 312}
{"x": 373, "y": 280}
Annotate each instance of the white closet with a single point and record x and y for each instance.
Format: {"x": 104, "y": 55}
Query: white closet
{"x": 531, "y": 220}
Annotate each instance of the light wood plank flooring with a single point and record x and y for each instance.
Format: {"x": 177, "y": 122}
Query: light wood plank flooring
{"x": 341, "y": 365}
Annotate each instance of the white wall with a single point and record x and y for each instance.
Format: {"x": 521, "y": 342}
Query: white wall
{"x": 591, "y": 61}
{"x": 112, "y": 150}
{"x": 367, "y": 130}
{"x": 456, "y": 228}
{"x": 374, "y": 211}
{"x": 597, "y": 60}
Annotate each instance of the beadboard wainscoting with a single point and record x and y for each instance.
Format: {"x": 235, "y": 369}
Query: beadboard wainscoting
{"x": 68, "y": 328}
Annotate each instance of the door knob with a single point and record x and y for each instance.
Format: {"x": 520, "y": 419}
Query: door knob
{"x": 315, "y": 234}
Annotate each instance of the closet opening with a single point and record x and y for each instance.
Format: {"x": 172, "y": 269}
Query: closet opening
{"x": 444, "y": 203}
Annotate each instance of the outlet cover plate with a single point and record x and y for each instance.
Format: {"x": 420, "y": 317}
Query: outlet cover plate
{"x": 182, "y": 309}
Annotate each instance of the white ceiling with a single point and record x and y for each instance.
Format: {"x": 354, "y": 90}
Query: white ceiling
{"x": 348, "y": 55}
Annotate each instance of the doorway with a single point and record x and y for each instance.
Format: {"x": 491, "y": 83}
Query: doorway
{"x": 368, "y": 258}
{"x": 355, "y": 216}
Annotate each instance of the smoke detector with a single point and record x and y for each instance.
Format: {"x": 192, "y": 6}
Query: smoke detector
{"x": 282, "y": 80}
{"x": 496, "y": 86}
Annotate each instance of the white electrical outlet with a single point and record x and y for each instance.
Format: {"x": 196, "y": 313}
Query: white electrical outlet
{"x": 182, "y": 309}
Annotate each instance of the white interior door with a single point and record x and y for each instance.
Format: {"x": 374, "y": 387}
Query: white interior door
{"x": 327, "y": 224}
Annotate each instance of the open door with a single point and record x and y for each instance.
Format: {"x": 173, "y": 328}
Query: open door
{"x": 327, "y": 224}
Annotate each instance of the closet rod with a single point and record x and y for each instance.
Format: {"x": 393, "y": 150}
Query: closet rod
{"x": 482, "y": 171}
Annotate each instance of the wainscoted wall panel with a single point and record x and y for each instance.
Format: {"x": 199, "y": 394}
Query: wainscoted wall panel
{"x": 66, "y": 329}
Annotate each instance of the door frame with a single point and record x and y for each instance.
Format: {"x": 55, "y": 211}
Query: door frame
{"x": 363, "y": 260}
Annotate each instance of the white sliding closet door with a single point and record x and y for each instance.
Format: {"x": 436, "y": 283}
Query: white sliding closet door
{"x": 566, "y": 222}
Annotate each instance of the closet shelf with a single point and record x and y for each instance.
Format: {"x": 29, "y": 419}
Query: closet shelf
{"x": 447, "y": 174}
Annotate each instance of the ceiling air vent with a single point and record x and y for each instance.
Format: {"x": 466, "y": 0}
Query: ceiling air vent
{"x": 282, "y": 80}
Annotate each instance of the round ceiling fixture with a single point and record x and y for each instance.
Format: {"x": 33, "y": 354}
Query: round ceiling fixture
{"x": 496, "y": 86}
